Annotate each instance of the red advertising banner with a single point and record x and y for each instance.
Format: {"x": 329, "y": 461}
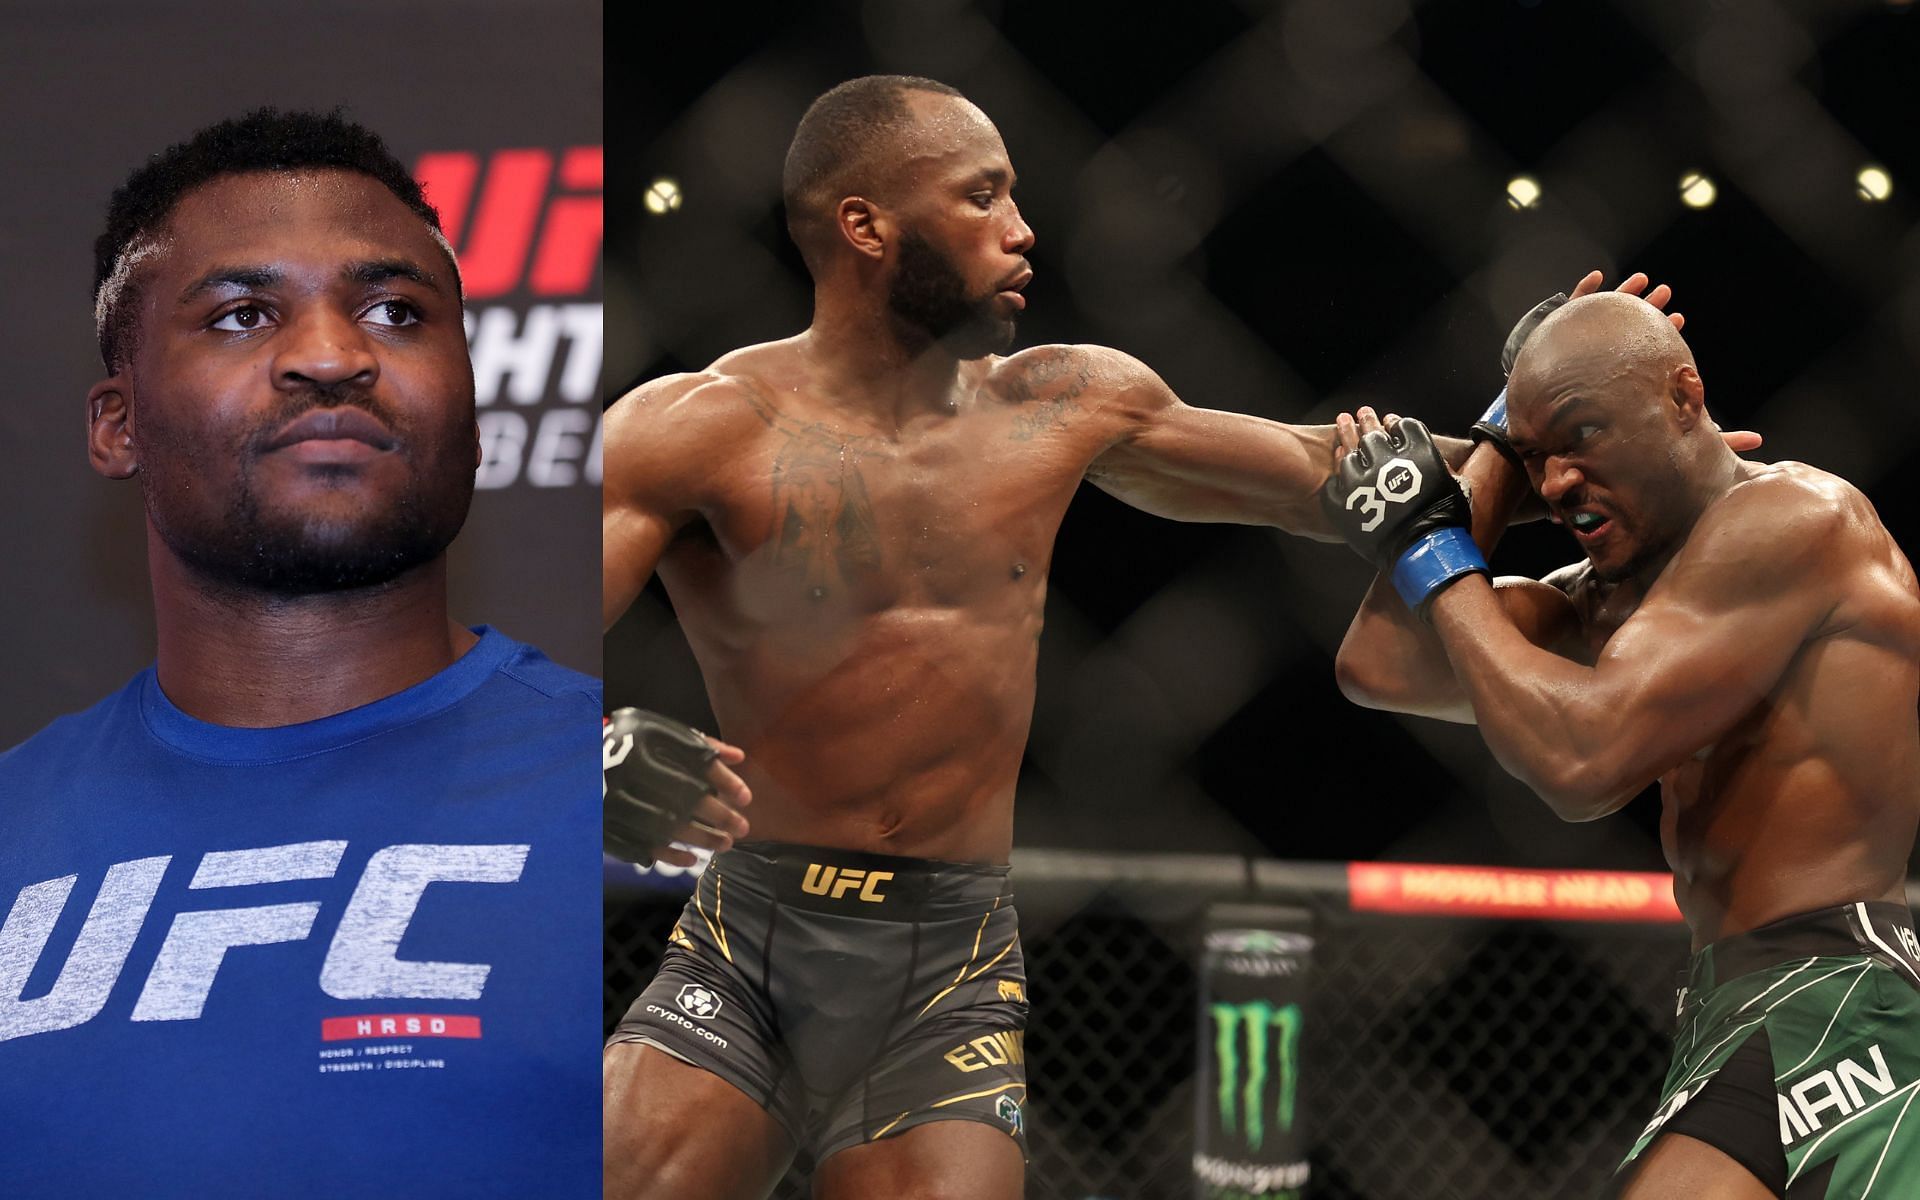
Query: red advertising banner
{"x": 1444, "y": 890}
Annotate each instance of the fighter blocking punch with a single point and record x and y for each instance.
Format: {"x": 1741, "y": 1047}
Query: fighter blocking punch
{"x": 1395, "y": 499}
{"x": 665, "y": 782}
{"x": 1397, "y": 503}
{"x": 1745, "y": 635}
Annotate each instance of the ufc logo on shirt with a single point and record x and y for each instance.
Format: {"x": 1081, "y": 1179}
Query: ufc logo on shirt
{"x": 361, "y": 962}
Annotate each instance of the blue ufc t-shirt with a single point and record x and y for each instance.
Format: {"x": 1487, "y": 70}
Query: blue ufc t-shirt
{"x": 358, "y": 957}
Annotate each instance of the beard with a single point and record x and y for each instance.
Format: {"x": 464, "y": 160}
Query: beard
{"x": 256, "y": 546}
{"x": 928, "y": 293}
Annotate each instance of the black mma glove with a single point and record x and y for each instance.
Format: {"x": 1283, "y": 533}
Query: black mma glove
{"x": 1492, "y": 426}
{"x": 1396, "y": 503}
{"x": 654, "y": 771}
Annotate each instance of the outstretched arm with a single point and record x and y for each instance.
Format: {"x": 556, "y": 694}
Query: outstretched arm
{"x": 1199, "y": 464}
{"x": 1755, "y": 580}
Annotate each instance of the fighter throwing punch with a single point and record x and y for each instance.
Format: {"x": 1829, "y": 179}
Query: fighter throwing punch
{"x": 1746, "y": 634}
{"x": 855, "y": 526}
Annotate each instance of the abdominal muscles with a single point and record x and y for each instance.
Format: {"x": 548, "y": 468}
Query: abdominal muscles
{"x": 1810, "y": 801}
{"x": 898, "y": 732}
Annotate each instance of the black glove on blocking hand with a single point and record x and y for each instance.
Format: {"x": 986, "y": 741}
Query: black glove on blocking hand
{"x": 1492, "y": 425}
{"x": 654, "y": 771}
{"x": 1398, "y": 506}
{"x": 1523, "y": 329}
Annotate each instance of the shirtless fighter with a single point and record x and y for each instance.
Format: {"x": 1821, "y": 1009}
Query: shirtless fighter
{"x": 1748, "y": 635}
{"x": 855, "y": 526}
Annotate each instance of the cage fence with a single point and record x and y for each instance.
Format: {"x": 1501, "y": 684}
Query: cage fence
{"x": 1467, "y": 1056}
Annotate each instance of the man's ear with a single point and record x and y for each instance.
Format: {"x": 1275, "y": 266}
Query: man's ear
{"x": 864, "y": 225}
{"x": 110, "y": 428}
{"x": 1688, "y": 394}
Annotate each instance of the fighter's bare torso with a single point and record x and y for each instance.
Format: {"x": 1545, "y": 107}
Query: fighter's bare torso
{"x": 862, "y": 582}
{"x": 1811, "y": 798}
{"x": 865, "y": 603}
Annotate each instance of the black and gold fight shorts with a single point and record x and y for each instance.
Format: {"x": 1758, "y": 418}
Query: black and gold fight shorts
{"x": 853, "y": 996}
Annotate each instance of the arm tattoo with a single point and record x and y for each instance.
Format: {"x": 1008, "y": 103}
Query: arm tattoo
{"x": 1050, "y": 391}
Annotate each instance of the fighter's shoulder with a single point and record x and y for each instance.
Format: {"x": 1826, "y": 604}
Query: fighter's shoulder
{"x": 78, "y": 741}
{"x": 1097, "y": 371}
{"x": 735, "y": 391}
{"x": 548, "y": 681}
{"x": 718, "y": 393}
{"x": 1792, "y": 508}
{"x": 1783, "y": 532}
{"x": 1837, "y": 535}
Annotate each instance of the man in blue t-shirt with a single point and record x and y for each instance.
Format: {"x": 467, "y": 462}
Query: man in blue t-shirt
{"x": 309, "y": 908}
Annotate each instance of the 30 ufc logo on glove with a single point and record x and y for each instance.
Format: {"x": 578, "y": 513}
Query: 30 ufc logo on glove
{"x": 1398, "y": 506}
{"x": 1399, "y": 483}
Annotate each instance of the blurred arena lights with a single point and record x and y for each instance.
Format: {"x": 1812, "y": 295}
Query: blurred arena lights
{"x": 1873, "y": 183}
{"x": 662, "y": 197}
{"x": 1697, "y": 190}
{"x": 1523, "y": 191}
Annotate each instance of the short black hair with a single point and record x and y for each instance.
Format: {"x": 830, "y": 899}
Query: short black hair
{"x": 837, "y": 139}
{"x": 265, "y": 139}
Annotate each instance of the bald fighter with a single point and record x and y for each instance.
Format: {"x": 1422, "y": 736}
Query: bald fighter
{"x": 855, "y": 526}
{"x": 1749, "y": 636}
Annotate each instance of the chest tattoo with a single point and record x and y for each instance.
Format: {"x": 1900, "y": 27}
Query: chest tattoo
{"x": 824, "y": 532}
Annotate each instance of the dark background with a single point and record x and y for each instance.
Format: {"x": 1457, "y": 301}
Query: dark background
{"x": 91, "y": 91}
{"x": 1292, "y": 209}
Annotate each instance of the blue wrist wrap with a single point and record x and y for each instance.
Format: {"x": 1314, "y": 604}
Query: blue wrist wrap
{"x": 1496, "y": 414}
{"x": 1434, "y": 561}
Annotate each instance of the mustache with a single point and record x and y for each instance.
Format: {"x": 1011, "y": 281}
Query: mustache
{"x": 317, "y": 396}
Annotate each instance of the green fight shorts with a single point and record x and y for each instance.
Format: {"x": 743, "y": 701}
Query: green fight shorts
{"x": 1798, "y": 1055}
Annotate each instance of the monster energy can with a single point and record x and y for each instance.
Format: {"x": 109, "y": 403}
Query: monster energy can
{"x": 1249, "y": 1137}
